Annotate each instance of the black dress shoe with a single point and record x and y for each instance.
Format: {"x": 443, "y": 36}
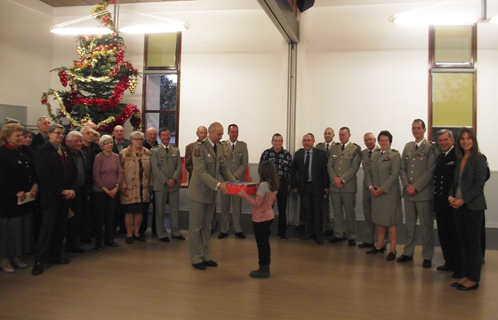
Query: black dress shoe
{"x": 75, "y": 250}
{"x": 129, "y": 240}
{"x": 336, "y": 240}
{"x": 391, "y": 256}
{"x": 99, "y": 247}
{"x": 165, "y": 239}
{"x": 464, "y": 288}
{"x": 60, "y": 260}
{"x": 444, "y": 268}
{"x": 111, "y": 243}
{"x": 180, "y": 237}
{"x": 455, "y": 284}
{"x": 319, "y": 240}
{"x": 222, "y": 235}
{"x": 37, "y": 268}
{"x": 240, "y": 235}
{"x": 328, "y": 233}
{"x": 283, "y": 237}
{"x": 210, "y": 263}
{"x": 427, "y": 263}
{"x": 365, "y": 245}
{"x": 374, "y": 250}
{"x": 139, "y": 238}
{"x": 457, "y": 275}
{"x": 199, "y": 266}
{"x": 404, "y": 258}
{"x": 352, "y": 242}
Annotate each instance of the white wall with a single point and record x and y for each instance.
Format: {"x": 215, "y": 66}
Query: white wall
{"x": 26, "y": 54}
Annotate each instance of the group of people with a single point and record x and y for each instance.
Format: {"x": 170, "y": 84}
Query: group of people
{"x": 87, "y": 186}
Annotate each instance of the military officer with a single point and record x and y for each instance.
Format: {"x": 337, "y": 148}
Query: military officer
{"x": 209, "y": 164}
{"x": 417, "y": 168}
{"x": 344, "y": 162}
{"x": 166, "y": 166}
{"x": 366, "y": 158}
{"x": 189, "y": 164}
{"x": 443, "y": 178}
{"x": 326, "y": 146}
{"x": 237, "y": 159}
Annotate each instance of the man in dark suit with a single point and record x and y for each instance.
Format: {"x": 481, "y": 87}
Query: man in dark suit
{"x": 119, "y": 141}
{"x": 57, "y": 183}
{"x": 41, "y": 137}
{"x": 83, "y": 175}
{"x": 443, "y": 178}
{"x": 310, "y": 179}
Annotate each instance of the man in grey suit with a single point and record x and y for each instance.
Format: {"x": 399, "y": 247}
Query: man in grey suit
{"x": 417, "y": 167}
{"x": 166, "y": 167}
{"x": 326, "y": 146}
{"x": 237, "y": 158}
{"x": 344, "y": 162}
{"x": 366, "y": 156}
{"x": 209, "y": 163}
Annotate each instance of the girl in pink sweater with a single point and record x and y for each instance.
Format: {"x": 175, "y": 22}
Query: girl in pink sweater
{"x": 262, "y": 215}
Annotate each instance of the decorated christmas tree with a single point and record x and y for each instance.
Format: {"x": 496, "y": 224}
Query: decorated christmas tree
{"x": 97, "y": 81}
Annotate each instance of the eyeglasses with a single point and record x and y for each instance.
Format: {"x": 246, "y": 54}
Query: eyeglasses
{"x": 138, "y": 139}
{"x": 107, "y": 143}
{"x": 58, "y": 133}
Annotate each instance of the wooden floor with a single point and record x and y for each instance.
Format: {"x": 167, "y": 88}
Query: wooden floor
{"x": 155, "y": 280}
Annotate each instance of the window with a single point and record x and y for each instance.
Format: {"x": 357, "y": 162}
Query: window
{"x": 162, "y": 82}
{"x": 452, "y": 77}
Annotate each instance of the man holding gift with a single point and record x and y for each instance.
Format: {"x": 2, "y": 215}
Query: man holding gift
{"x": 209, "y": 163}
{"x": 237, "y": 159}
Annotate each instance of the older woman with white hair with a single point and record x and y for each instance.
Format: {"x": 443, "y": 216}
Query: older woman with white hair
{"x": 107, "y": 175}
{"x": 136, "y": 186}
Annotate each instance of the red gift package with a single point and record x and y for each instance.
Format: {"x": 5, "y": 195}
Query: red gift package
{"x": 249, "y": 187}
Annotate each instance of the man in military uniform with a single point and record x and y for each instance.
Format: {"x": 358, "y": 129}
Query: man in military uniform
{"x": 443, "y": 178}
{"x": 326, "y": 146}
{"x": 237, "y": 158}
{"x": 344, "y": 162}
{"x": 366, "y": 156}
{"x": 166, "y": 167}
{"x": 417, "y": 168}
{"x": 189, "y": 164}
{"x": 209, "y": 163}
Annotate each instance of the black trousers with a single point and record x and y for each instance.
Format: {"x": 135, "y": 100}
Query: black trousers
{"x": 313, "y": 211}
{"x": 86, "y": 223}
{"x": 52, "y": 232}
{"x": 104, "y": 208}
{"x": 282, "y": 195}
{"x": 74, "y": 223}
{"x": 262, "y": 232}
{"x": 448, "y": 238}
{"x": 469, "y": 227}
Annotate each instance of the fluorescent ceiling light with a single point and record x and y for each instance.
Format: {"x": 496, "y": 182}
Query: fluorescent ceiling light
{"x": 76, "y": 31}
{"x": 168, "y": 28}
{"x": 435, "y": 19}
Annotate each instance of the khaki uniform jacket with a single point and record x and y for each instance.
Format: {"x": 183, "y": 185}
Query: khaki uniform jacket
{"x": 130, "y": 176}
{"x": 365, "y": 164}
{"x": 345, "y": 165}
{"x": 384, "y": 171}
{"x": 208, "y": 170}
{"x": 238, "y": 159}
{"x": 417, "y": 169}
{"x": 323, "y": 146}
{"x": 165, "y": 166}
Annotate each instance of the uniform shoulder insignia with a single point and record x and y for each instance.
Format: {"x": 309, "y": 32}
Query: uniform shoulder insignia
{"x": 394, "y": 150}
{"x": 240, "y": 141}
{"x": 378, "y": 150}
{"x": 199, "y": 142}
{"x": 336, "y": 143}
{"x": 154, "y": 147}
{"x": 432, "y": 142}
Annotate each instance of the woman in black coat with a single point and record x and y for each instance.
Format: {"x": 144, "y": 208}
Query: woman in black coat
{"x": 467, "y": 199}
{"x": 17, "y": 184}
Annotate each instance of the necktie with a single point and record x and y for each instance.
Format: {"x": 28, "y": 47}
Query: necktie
{"x": 307, "y": 167}
{"x": 369, "y": 154}
{"x": 59, "y": 150}
{"x": 214, "y": 147}
{"x": 416, "y": 147}
{"x": 233, "y": 147}
{"x": 166, "y": 150}
{"x": 327, "y": 148}
{"x": 342, "y": 147}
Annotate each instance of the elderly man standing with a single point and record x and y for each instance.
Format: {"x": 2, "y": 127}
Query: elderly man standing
{"x": 344, "y": 162}
{"x": 42, "y": 136}
{"x": 237, "y": 159}
{"x": 57, "y": 181}
{"x": 149, "y": 143}
{"x": 166, "y": 167}
{"x": 150, "y": 138}
{"x": 326, "y": 146}
{"x": 84, "y": 183}
{"x": 309, "y": 178}
{"x": 444, "y": 173}
{"x": 189, "y": 163}
{"x": 417, "y": 168}
{"x": 209, "y": 163}
{"x": 366, "y": 157}
{"x": 119, "y": 140}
